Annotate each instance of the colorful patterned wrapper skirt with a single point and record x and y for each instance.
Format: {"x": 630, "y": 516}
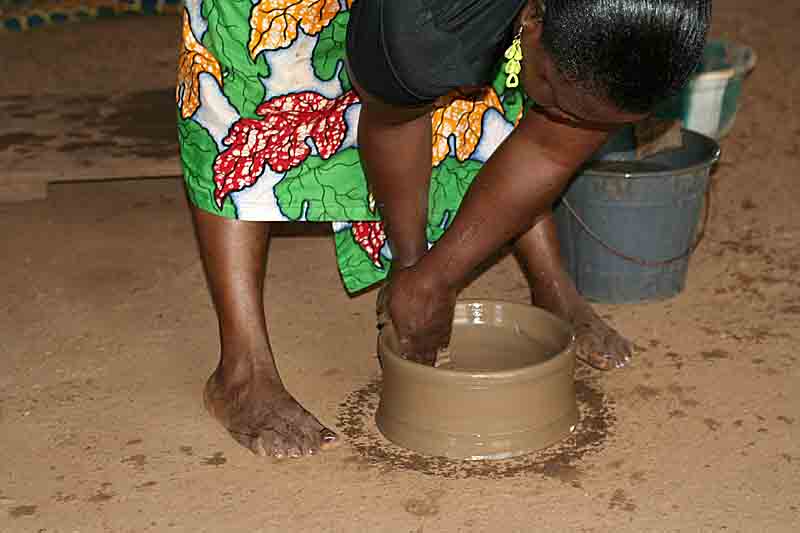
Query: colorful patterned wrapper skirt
{"x": 267, "y": 121}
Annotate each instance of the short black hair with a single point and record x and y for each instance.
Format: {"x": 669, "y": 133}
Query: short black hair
{"x": 632, "y": 53}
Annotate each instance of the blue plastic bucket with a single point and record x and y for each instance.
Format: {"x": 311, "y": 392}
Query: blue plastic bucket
{"x": 627, "y": 228}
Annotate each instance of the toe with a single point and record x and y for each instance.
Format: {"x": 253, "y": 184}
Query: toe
{"x": 275, "y": 444}
{"x": 595, "y": 359}
{"x": 601, "y": 361}
{"x": 294, "y": 452}
{"x": 623, "y": 350}
{"x": 249, "y": 441}
{"x": 311, "y": 438}
{"x": 586, "y": 349}
{"x": 328, "y": 439}
{"x": 619, "y": 347}
{"x": 299, "y": 443}
{"x": 258, "y": 447}
{"x": 601, "y": 347}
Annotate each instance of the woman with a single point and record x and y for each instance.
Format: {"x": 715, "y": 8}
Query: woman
{"x": 589, "y": 65}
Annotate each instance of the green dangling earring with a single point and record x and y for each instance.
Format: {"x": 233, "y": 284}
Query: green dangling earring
{"x": 514, "y": 57}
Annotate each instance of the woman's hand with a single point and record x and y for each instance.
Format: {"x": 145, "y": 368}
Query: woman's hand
{"x": 421, "y": 308}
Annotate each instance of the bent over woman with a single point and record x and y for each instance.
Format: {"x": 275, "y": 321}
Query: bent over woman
{"x": 282, "y": 103}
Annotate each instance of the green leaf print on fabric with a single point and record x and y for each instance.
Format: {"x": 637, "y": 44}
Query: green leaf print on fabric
{"x": 198, "y": 151}
{"x": 330, "y": 50}
{"x": 355, "y": 266}
{"x": 449, "y": 183}
{"x": 326, "y": 189}
{"x": 513, "y": 99}
{"x": 227, "y": 38}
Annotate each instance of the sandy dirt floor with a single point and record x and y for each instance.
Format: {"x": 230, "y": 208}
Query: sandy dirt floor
{"x": 107, "y": 335}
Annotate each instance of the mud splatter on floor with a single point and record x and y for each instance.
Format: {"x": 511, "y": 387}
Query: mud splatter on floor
{"x": 562, "y": 461}
{"x": 22, "y": 510}
{"x": 425, "y": 506}
{"x": 621, "y": 500}
{"x": 138, "y": 461}
{"x": 186, "y": 450}
{"x": 21, "y": 138}
{"x": 715, "y": 354}
{"x": 100, "y": 497}
{"x": 217, "y": 459}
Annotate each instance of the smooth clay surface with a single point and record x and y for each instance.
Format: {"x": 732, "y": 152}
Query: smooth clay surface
{"x": 107, "y": 336}
{"x": 488, "y": 349}
{"x": 497, "y": 336}
{"x": 506, "y": 390}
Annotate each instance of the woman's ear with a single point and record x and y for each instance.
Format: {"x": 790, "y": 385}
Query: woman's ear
{"x": 531, "y": 18}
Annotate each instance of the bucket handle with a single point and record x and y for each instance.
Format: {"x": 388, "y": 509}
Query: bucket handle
{"x": 638, "y": 260}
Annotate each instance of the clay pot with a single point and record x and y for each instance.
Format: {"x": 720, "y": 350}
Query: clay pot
{"x": 505, "y": 389}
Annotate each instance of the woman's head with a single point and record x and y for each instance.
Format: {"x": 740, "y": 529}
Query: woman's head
{"x": 629, "y": 54}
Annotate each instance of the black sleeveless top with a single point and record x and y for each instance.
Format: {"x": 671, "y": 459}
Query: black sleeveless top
{"x": 410, "y": 52}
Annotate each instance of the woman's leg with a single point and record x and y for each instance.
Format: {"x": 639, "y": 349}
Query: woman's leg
{"x": 245, "y": 393}
{"x": 552, "y": 289}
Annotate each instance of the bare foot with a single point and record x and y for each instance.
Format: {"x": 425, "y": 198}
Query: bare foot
{"x": 596, "y": 343}
{"x": 263, "y": 417}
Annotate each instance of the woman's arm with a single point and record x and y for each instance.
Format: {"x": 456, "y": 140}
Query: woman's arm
{"x": 521, "y": 180}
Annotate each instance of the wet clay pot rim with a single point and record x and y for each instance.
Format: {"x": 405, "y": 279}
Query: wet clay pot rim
{"x": 387, "y": 342}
